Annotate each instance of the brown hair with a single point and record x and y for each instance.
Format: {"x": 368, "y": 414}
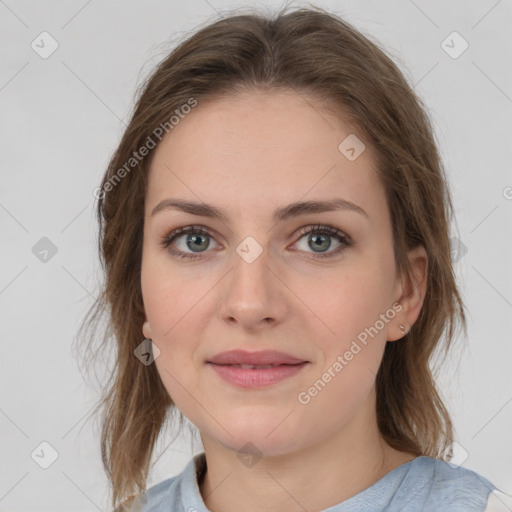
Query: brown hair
{"x": 321, "y": 56}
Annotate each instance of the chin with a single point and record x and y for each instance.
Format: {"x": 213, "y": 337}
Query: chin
{"x": 266, "y": 442}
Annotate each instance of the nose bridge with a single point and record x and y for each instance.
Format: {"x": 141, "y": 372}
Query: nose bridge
{"x": 251, "y": 292}
{"x": 250, "y": 268}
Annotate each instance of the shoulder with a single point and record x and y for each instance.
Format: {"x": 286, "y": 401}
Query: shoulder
{"x": 499, "y": 502}
{"x": 172, "y": 491}
{"x": 455, "y": 488}
{"x": 150, "y": 500}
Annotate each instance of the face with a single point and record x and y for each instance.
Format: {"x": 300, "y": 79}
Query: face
{"x": 292, "y": 286}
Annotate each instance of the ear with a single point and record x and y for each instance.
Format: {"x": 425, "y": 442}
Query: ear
{"x": 410, "y": 293}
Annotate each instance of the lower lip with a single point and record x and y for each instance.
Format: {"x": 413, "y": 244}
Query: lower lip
{"x": 255, "y": 378}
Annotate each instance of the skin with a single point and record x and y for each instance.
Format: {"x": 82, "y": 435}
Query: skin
{"x": 249, "y": 155}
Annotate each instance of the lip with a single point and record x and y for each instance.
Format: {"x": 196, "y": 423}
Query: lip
{"x": 257, "y": 377}
{"x": 263, "y": 357}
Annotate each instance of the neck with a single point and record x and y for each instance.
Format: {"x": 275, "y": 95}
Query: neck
{"x": 315, "y": 477}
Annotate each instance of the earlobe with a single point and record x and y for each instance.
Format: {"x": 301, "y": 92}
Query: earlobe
{"x": 146, "y": 330}
{"x": 404, "y": 329}
{"x": 400, "y": 330}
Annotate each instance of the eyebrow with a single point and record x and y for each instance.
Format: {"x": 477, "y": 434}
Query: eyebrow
{"x": 280, "y": 214}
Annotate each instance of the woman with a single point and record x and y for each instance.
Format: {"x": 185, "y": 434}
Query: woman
{"x": 274, "y": 231}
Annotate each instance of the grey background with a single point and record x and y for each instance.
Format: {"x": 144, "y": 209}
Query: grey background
{"x": 63, "y": 116}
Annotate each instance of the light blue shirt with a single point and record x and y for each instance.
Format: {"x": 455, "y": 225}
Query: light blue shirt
{"x": 423, "y": 484}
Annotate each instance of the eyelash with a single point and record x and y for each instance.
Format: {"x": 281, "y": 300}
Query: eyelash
{"x": 323, "y": 229}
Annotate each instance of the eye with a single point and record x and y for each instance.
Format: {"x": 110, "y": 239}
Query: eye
{"x": 198, "y": 238}
{"x": 322, "y": 240}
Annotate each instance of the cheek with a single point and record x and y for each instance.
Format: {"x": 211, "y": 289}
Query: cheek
{"x": 357, "y": 312}
{"x": 175, "y": 312}
{"x": 353, "y": 299}
{"x": 166, "y": 297}
{"x": 352, "y": 355}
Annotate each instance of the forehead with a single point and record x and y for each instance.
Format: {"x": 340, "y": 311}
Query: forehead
{"x": 255, "y": 149}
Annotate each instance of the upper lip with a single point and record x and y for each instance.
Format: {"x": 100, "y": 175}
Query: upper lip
{"x": 264, "y": 357}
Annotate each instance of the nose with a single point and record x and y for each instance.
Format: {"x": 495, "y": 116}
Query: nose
{"x": 252, "y": 296}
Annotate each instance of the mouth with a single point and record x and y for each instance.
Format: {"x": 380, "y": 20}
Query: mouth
{"x": 256, "y": 376}
{"x": 260, "y": 359}
{"x": 257, "y": 366}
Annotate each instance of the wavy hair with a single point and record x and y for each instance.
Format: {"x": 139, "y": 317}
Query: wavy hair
{"x": 319, "y": 55}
